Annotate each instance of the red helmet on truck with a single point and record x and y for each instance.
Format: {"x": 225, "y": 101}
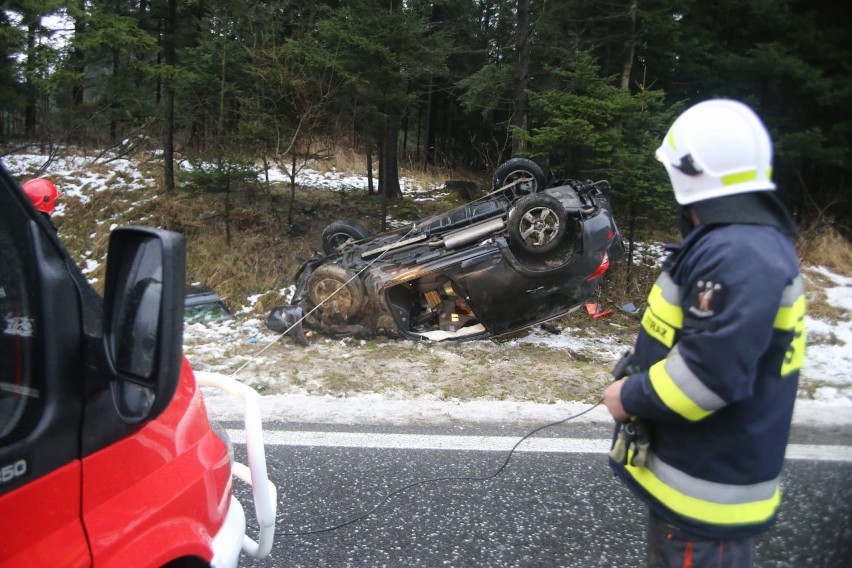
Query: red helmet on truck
{"x": 42, "y": 193}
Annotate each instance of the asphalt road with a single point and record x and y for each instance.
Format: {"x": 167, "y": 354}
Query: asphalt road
{"x": 555, "y": 503}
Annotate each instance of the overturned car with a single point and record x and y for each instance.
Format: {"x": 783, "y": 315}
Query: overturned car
{"x": 531, "y": 250}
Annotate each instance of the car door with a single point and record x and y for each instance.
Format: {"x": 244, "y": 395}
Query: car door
{"x": 40, "y": 392}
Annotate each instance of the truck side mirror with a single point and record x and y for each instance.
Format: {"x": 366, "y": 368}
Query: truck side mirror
{"x": 143, "y": 319}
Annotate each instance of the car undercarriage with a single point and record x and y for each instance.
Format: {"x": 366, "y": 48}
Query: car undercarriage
{"x": 522, "y": 254}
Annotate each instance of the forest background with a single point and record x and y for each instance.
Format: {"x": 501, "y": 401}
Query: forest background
{"x": 218, "y": 92}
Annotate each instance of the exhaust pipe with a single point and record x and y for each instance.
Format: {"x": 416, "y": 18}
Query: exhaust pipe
{"x": 466, "y": 235}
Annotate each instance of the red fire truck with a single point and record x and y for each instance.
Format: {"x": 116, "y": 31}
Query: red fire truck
{"x": 107, "y": 454}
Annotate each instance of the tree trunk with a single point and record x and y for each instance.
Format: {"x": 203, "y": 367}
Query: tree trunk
{"x": 430, "y": 125}
{"x": 113, "y": 123}
{"x": 630, "y": 52}
{"x": 30, "y": 89}
{"x": 522, "y": 48}
{"x": 169, "y": 100}
{"x": 292, "y": 205}
{"x": 370, "y": 189}
{"x": 422, "y": 163}
{"x": 228, "y": 212}
{"x": 389, "y": 164}
{"x": 77, "y": 63}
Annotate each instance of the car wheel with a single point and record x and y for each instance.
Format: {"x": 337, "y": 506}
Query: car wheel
{"x": 537, "y": 223}
{"x": 340, "y": 233}
{"x": 338, "y": 291}
{"x": 529, "y": 175}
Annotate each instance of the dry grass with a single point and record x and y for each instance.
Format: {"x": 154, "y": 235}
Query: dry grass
{"x": 343, "y": 159}
{"x": 825, "y": 246}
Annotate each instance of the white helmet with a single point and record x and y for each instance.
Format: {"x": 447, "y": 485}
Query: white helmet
{"x": 717, "y": 148}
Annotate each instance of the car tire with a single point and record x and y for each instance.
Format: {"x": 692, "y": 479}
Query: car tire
{"x": 340, "y": 233}
{"x": 537, "y": 223}
{"x": 519, "y": 168}
{"x": 339, "y": 293}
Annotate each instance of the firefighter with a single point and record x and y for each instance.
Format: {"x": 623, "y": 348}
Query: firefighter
{"x": 704, "y": 406}
{"x": 43, "y": 194}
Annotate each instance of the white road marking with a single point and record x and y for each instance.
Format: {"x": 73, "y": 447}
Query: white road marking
{"x": 490, "y": 443}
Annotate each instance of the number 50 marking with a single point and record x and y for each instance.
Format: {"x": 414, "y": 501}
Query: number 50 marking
{"x": 13, "y": 470}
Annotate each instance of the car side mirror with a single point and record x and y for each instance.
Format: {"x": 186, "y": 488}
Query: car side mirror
{"x": 143, "y": 319}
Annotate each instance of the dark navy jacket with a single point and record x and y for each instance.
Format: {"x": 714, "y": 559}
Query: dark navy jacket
{"x": 720, "y": 349}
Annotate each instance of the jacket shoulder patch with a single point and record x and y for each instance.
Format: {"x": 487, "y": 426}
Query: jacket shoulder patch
{"x": 706, "y": 299}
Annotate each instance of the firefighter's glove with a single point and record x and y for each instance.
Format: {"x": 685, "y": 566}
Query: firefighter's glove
{"x": 633, "y": 434}
{"x": 641, "y": 442}
{"x": 618, "y": 453}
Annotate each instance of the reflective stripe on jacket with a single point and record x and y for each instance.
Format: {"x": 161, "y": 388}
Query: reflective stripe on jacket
{"x": 721, "y": 344}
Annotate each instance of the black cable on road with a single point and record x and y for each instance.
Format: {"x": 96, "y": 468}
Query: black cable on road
{"x": 399, "y": 490}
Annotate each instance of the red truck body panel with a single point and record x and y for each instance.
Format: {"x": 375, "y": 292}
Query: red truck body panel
{"x": 41, "y": 524}
{"x": 154, "y": 496}
{"x": 161, "y": 493}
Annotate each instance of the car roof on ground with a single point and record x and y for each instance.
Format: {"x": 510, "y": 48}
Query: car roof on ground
{"x": 197, "y": 294}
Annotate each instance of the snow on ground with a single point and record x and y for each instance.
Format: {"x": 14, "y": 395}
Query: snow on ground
{"x": 826, "y": 393}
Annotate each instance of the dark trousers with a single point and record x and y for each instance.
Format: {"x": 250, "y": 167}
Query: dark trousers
{"x": 672, "y": 547}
